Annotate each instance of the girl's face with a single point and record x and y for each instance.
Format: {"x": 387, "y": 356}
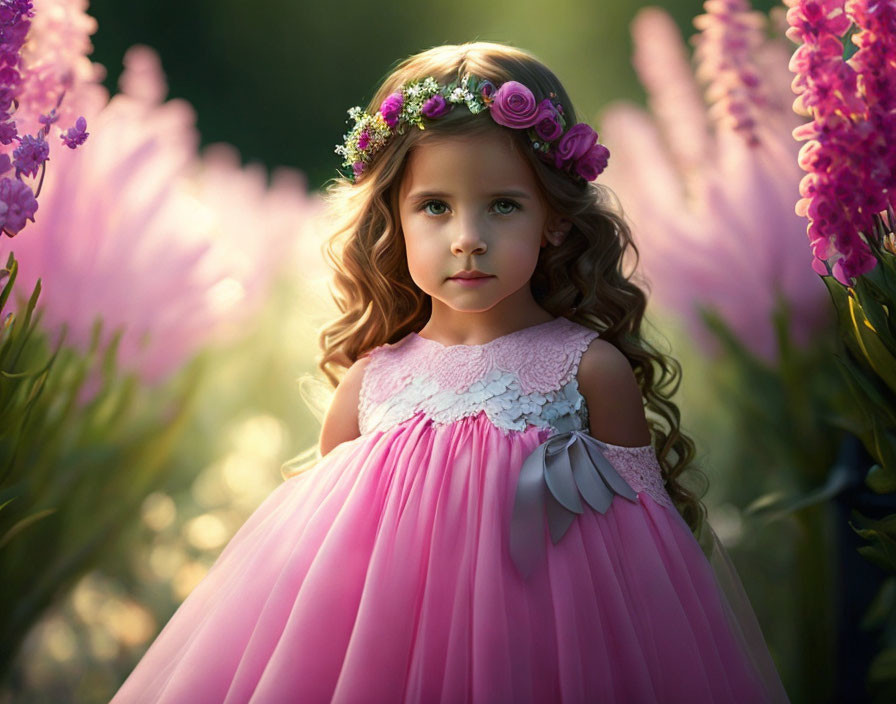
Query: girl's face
{"x": 472, "y": 202}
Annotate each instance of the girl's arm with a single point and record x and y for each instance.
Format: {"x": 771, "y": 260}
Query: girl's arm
{"x": 341, "y": 420}
{"x": 615, "y": 405}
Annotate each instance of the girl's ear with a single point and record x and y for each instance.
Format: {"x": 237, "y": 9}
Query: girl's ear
{"x": 555, "y": 230}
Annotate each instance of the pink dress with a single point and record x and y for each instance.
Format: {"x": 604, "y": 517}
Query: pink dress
{"x": 420, "y": 563}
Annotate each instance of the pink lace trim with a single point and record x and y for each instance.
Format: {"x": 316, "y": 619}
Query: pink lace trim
{"x": 639, "y": 467}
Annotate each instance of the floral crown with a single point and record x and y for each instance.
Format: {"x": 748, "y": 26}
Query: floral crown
{"x": 575, "y": 151}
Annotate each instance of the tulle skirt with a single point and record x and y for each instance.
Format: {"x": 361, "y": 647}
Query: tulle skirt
{"x": 383, "y": 575}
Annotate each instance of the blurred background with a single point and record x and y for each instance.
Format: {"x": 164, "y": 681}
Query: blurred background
{"x": 275, "y": 78}
{"x": 190, "y": 222}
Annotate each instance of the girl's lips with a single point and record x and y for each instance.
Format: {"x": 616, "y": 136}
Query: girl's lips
{"x": 479, "y": 280}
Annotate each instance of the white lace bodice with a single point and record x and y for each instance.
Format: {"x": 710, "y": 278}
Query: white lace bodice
{"x": 527, "y": 377}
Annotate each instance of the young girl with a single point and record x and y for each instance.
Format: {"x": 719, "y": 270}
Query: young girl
{"x": 488, "y": 521}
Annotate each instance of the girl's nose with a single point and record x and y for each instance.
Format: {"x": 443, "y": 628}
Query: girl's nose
{"x": 468, "y": 237}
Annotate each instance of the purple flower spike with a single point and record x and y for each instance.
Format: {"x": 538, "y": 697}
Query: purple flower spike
{"x": 17, "y": 204}
{"x": 730, "y": 31}
{"x": 848, "y": 158}
{"x": 75, "y": 136}
{"x": 30, "y": 154}
{"x": 8, "y": 132}
{"x": 49, "y": 118}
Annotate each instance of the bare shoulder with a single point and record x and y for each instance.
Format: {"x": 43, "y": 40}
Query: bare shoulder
{"x": 341, "y": 420}
{"x": 615, "y": 405}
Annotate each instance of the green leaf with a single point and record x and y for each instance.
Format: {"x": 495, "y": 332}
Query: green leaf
{"x": 867, "y": 391}
{"x": 881, "y": 606}
{"x": 24, "y": 523}
{"x": 876, "y": 306}
{"x": 838, "y": 420}
{"x": 771, "y": 508}
{"x": 13, "y": 267}
{"x": 881, "y": 479}
{"x": 882, "y": 536}
{"x": 873, "y": 348}
{"x": 883, "y": 278}
{"x": 885, "y": 453}
{"x": 883, "y": 554}
{"x": 5, "y": 503}
{"x": 883, "y": 669}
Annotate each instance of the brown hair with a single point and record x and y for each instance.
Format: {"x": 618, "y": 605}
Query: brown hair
{"x": 581, "y": 279}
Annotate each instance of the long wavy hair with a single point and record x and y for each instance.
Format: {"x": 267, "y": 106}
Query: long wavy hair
{"x": 582, "y": 279}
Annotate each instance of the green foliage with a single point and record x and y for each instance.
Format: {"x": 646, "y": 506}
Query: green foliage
{"x": 778, "y": 402}
{"x": 868, "y": 331}
{"x": 74, "y": 465}
{"x": 869, "y": 366}
{"x": 771, "y": 451}
{"x": 882, "y": 536}
{"x": 882, "y": 672}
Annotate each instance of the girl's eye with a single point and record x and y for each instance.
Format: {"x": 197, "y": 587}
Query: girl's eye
{"x": 510, "y": 203}
{"x": 440, "y": 204}
{"x": 432, "y": 202}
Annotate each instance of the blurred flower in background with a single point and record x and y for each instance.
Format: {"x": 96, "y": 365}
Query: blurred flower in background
{"x": 852, "y": 105}
{"x": 169, "y": 314}
{"x": 53, "y": 60}
{"x": 710, "y": 185}
{"x": 709, "y": 176}
{"x": 179, "y": 249}
{"x": 32, "y": 88}
{"x": 190, "y": 252}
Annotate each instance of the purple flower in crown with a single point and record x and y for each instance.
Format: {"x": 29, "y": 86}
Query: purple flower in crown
{"x": 364, "y": 140}
{"x": 487, "y": 91}
{"x": 548, "y": 125}
{"x": 578, "y": 139}
{"x": 514, "y": 106}
{"x": 436, "y": 106}
{"x": 592, "y": 163}
{"x": 390, "y": 108}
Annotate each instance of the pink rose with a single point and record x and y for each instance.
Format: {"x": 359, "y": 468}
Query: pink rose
{"x": 578, "y": 139}
{"x": 514, "y": 106}
{"x": 592, "y": 163}
{"x": 391, "y": 107}
{"x": 547, "y": 125}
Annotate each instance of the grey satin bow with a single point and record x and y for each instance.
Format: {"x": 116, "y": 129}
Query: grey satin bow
{"x": 569, "y": 464}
